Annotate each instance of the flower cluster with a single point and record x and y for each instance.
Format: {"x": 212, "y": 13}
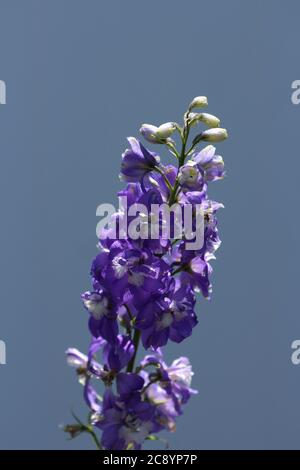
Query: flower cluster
{"x": 144, "y": 290}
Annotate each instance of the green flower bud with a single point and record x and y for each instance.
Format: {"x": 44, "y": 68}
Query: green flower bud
{"x": 199, "y": 102}
{"x": 165, "y": 130}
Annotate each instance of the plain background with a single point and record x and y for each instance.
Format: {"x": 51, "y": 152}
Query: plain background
{"x": 83, "y": 75}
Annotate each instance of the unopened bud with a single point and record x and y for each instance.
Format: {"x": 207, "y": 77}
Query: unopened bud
{"x": 149, "y": 131}
{"x": 193, "y": 118}
{"x": 198, "y": 102}
{"x": 214, "y": 135}
{"x": 73, "y": 429}
{"x": 209, "y": 119}
{"x": 165, "y": 130}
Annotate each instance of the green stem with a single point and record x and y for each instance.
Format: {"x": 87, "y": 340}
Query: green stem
{"x": 89, "y": 429}
{"x": 173, "y": 193}
{"x": 136, "y": 341}
{"x": 190, "y": 149}
{"x": 181, "y": 160}
{"x": 95, "y": 439}
{"x": 173, "y": 149}
{"x": 178, "y": 270}
{"x": 158, "y": 170}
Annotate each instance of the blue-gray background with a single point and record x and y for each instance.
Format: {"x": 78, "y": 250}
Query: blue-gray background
{"x": 81, "y": 76}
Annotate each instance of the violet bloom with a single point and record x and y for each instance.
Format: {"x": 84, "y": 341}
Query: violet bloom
{"x": 78, "y": 360}
{"x": 158, "y": 181}
{"x": 168, "y": 387}
{"x": 211, "y": 236}
{"x": 151, "y": 223}
{"x": 103, "y": 314}
{"x": 126, "y": 420}
{"x": 93, "y": 400}
{"x": 166, "y": 317}
{"x": 211, "y": 164}
{"x": 137, "y": 161}
{"x": 194, "y": 270}
{"x": 126, "y": 268}
{"x": 190, "y": 177}
{"x": 85, "y": 366}
{"x": 132, "y": 192}
{"x": 115, "y": 355}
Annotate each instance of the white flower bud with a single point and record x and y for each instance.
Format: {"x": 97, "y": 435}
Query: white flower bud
{"x": 214, "y": 135}
{"x": 149, "y": 132}
{"x": 165, "y": 130}
{"x": 198, "y": 102}
{"x": 209, "y": 119}
{"x": 194, "y": 118}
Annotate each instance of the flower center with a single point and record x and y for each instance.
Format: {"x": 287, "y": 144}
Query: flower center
{"x": 98, "y": 307}
{"x": 165, "y": 321}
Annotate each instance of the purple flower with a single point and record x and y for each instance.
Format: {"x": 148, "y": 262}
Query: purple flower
{"x": 132, "y": 192}
{"x": 137, "y": 161}
{"x": 117, "y": 355}
{"x": 87, "y": 368}
{"x": 211, "y": 236}
{"x": 194, "y": 270}
{"x": 126, "y": 268}
{"x": 93, "y": 400}
{"x": 129, "y": 384}
{"x": 150, "y": 223}
{"x": 190, "y": 177}
{"x": 211, "y": 164}
{"x": 158, "y": 181}
{"x": 168, "y": 387}
{"x": 180, "y": 375}
{"x": 77, "y": 359}
{"x": 103, "y": 314}
{"x": 126, "y": 420}
{"x": 167, "y": 316}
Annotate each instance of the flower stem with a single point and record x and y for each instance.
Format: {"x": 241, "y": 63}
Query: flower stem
{"x": 136, "y": 341}
{"x": 94, "y": 437}
{"x": 181, "y": 160}
{"x": 168, "y": 184}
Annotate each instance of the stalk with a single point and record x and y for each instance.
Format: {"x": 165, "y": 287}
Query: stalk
{"x": 136, "y": 342}
{"x": 181, "y": 160}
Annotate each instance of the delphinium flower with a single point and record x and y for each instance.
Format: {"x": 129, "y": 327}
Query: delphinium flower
{"x": 144, "y": 288}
